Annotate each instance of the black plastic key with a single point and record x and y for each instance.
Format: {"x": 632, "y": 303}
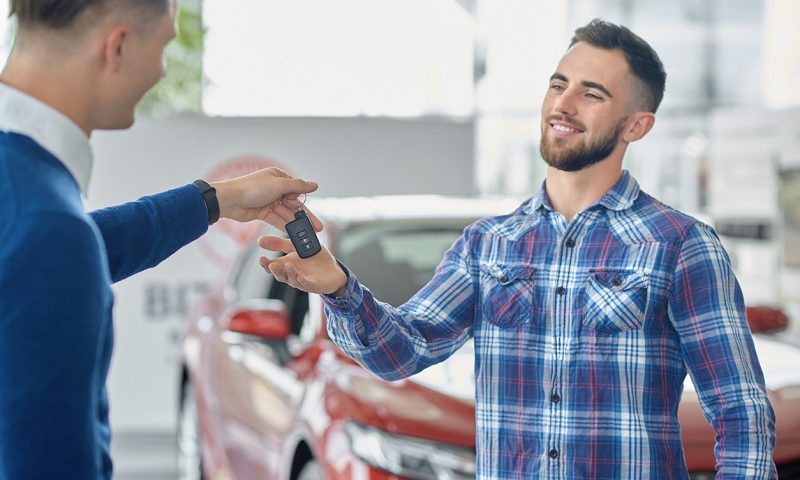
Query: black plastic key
{"x": 302, "y": 235}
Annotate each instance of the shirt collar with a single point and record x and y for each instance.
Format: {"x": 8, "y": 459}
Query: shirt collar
{"x": 619, "y": 197}
{"x": 540, "y": 200}
{"x": 20, "y": 113}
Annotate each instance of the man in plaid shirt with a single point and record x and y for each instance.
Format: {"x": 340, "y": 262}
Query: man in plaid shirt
{"x": 588, "y": 305}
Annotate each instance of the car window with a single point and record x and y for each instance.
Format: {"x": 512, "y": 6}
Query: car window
{"x": 295, "y": 300}
{"x": 395, "y": 259}
{"x": 251, "y": 282}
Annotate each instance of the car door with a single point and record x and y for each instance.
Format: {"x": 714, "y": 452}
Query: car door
{"x": 258, "y": 393}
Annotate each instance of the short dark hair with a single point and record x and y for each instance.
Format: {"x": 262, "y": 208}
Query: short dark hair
{"x": 642, "y": 60}
{"x": 62, "y": 14}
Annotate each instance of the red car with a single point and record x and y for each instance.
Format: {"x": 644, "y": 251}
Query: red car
{"x": 266, "y": 395}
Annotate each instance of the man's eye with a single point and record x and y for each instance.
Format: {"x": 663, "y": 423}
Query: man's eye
{"x": 592, "y": 96}
{"x": 557, "y": 88}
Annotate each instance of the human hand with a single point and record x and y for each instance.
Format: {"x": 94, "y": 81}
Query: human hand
{"x": 319, "y": 274}
{"x": 269, "y": 194}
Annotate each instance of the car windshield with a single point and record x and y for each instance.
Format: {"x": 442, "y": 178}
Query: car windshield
{"x": 395, "y": 259}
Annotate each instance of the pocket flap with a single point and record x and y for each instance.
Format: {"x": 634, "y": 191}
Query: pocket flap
{"x": 508, "y": 272}
{"x": 620, "y": 279}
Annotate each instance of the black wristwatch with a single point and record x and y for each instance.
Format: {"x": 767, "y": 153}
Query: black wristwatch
{"x": 210, "y": 197}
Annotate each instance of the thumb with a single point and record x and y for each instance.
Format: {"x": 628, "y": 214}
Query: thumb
{"x": 297, "y": 186}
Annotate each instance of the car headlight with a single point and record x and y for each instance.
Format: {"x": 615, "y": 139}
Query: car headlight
{"x": 410, "y": 457}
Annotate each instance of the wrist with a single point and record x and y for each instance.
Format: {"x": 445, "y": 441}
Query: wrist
{"x": 340, "y": 291}
{"x": 225, "y": 198}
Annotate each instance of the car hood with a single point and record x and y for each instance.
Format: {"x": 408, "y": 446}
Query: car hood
{"x": 405, "y": 407}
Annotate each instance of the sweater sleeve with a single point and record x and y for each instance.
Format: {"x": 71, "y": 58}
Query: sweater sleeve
{"x": 51, "y": 331}
{"x": 141, "y": 234}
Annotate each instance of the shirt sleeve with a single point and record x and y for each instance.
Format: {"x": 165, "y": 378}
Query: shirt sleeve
{"x": 706, "y": 308}
{"x": 395, "y": 343}
{"x": 141, "y": 234}
{"x": 51, "y": 329}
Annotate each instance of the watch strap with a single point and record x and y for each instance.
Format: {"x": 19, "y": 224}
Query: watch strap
{"x": 210, "y": 197}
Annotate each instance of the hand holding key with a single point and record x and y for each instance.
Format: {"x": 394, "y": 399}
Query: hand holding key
{"x": 319, "y": 273}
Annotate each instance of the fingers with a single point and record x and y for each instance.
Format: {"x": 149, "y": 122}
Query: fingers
{"x": 291, "y": 185}
{"x": 277, "y": 172}
{"x": 280, "y": 215}
{"x": 277, "y": 221}
{"x": 274, "y": 268}
{"x": 292, "y": 201}
{"x": 315, "y": 222}
{"x": 284, "y": 213}
{"x": 285, "y": 272}
{"x": 273, "y": 195}
{"x": 275, "y": 244}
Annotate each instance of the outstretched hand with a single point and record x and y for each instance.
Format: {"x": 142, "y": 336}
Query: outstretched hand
{"x": 270, "y": 194}
{"x": 319, "y": 274}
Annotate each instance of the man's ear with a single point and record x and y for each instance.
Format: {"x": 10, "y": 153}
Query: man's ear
{"x": 639, "y": 123}
{"x": 114, "y": 47}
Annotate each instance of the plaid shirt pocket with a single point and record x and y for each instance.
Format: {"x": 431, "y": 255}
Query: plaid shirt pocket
{"x": 616, "y": 300}
{"x": 507, "y": 294}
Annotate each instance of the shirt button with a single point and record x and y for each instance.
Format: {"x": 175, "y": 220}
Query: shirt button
{"x": 553, "y": 453}
{"x": 561, "y": 290}
{"x": 616, "y": 282}
{"x": 503, "y": 280}
{"x": 555, "y": 398}
{"x": 570, "y": 243}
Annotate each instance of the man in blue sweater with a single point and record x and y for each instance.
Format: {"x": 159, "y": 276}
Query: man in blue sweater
{"x": 79, "y": 66}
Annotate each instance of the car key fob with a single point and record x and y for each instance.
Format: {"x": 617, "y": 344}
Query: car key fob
{"x": 303, "y": 236}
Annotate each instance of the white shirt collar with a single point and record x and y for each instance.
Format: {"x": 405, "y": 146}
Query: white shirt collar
{"x": 23, "y": 114}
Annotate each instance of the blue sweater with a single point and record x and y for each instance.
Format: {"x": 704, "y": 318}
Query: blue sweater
{"x": 57, "y": 264}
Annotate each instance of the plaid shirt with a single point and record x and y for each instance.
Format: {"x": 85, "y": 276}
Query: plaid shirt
{"x": 584, "y": 332}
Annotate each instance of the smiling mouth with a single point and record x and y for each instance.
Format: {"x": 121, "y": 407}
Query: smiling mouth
{"x": 563, "y": 128}
{"x": 560, "y": 129}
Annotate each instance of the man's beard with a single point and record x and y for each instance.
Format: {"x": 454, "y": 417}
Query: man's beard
{"x": 580, "y": 156}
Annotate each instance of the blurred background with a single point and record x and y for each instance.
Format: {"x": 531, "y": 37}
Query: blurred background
{"x": 435, "y": 96}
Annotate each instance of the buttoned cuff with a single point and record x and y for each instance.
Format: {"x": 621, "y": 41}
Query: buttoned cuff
{"x": 351, "y": 297}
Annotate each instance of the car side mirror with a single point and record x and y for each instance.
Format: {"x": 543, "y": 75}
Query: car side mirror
{"x": 267, "y": 319}
{"x": 766, "y": 319}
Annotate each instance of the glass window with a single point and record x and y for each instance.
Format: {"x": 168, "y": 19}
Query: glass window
{"x": 251, "y": 281}
{"x": 343, "y": 58}
{"x": 396, "y": 259}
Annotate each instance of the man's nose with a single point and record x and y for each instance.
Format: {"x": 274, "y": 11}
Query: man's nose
{"x": 566, "y": 103}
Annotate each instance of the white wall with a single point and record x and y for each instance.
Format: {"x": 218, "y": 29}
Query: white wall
{"x": 346, "y": 156}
